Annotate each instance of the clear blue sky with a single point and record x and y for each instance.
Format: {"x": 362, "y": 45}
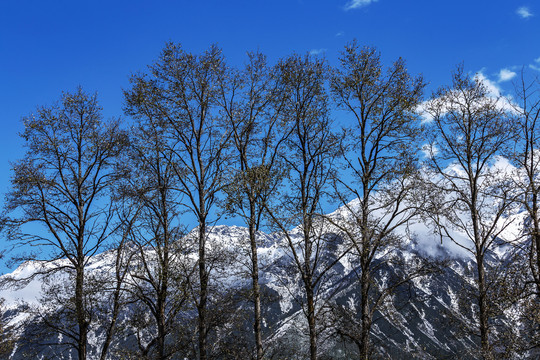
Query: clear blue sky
{"x": 47, "y": 47}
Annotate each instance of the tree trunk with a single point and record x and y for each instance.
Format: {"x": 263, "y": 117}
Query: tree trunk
{"x": 81, "y": 318}
{"x": 311, "y": 322}
{"x": 483, "y": 309}
{"x": 308, "y": 278}
{"x": 203, "y": 295}
{"x": 256, "y": 288}
{"x": 112, "y": 325}
{"x": 365, "y": 315}
{"x": 161, "y": 329}
{"x": 365, "y": 279}
{"x": 535, "y": 241}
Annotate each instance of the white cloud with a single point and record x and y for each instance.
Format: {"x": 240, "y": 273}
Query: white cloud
{"x": 421, "y": 110}
{"x": 317, "y": 51}
{"x": 356, "y": 4}
{"x": 524, "y": 12}
{"x": 493, "y": 89}
{"x": 506, "y": 75}
{"x": 494, "y": 94}
{"x": 341, "y": 33}
{"x": 429, "y": 150}
{"x": 535, "y": 64}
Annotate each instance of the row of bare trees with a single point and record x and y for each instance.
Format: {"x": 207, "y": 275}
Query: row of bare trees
{"x": 263, "y": 144}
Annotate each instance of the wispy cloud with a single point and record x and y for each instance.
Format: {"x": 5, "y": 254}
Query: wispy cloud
{"x": 536, "y": 65}
{"x": 524, "y": 12}
{"x": 506, "y": 75}
{"x": 429, "y": 150}
{"x": 356, "y": 4}
{"x": 493, "y": 89}
{"x": 317, "y": 51}
{"x": 494, "y": 92}
{"x": 340, "y": 33}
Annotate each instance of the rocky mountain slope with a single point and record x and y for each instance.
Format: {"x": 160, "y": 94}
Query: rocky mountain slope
{"x": 429, "y": 317}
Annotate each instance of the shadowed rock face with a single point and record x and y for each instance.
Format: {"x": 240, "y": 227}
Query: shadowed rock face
{"x": 429, "y": 317}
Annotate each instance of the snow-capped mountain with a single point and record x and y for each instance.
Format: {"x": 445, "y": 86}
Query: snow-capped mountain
{"x": 429, "y": 317}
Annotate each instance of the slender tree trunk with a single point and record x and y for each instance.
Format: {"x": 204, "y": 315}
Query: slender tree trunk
{"x": 365, "y": 315}
{"x": 533, "y": 208}
{"x": 483, "y": 309}
{"x": 81, "y": 318}
{"x": 308, "y": 281}
{"x": 483, "y": 313}
{"x": 256, "y": 288}
{"x": 203, "y": 295}
{"x": 161, "y": 333}
{"x": 161, "y": 301}
{"x": 365, "y": 279}
{"x": 311, "y": 323}
{"x": 112, "y": 325}
{"x": 536, "y": 238}
{"x": 110, "y": 330}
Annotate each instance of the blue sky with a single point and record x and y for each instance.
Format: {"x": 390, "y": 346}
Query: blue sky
{"x": 47, "y": 47}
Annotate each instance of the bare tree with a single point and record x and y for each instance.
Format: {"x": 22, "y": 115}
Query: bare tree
{"x": 180, "y": 91}
{"x": 60, "y": 199}
{"x": 526, "y": 105}
{"x": 468, "y": 130}
{"x": 380, "y": 157}
{"x": 252, "y": 102}
{"x": 527, "y": 158}
{"x": 113, "y": 282}
{"x": 312, "y": 148}
{"x": 157, "y": 281}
